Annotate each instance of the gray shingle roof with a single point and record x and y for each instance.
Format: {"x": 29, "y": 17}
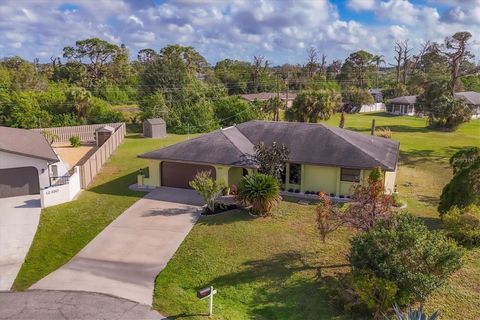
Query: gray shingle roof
{"x": 308, "y": 143}
{"x": 26, "y": 143}
{"x": 268, "y": 95}
{"x": 155, "y": 121}
{"x": 404, "y": 100}
{"x": 471, "y": 97}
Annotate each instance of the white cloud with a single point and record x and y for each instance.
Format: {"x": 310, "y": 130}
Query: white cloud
{"x": 360, "y": 5}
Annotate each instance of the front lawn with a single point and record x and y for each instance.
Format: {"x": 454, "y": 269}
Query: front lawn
{"x": 65, "y": 229}
{"x": 268, "y": 268}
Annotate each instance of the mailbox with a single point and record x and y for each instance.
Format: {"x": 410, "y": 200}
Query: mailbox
{"x": 204, "y": 293}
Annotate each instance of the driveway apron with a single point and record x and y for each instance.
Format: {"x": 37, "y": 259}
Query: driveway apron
{"x": 125, "y": 258}
{"x": 19, "y": 217}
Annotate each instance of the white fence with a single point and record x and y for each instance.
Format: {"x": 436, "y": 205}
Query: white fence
{"x": 54, "y": 195}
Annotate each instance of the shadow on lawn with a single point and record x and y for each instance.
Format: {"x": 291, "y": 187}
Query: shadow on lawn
{"x": 286, "y": 285}
{"x": 118, "y": 186}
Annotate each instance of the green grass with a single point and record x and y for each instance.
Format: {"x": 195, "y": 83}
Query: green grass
{"x": 269, "y": 268}
{"x": 65, "y": 229}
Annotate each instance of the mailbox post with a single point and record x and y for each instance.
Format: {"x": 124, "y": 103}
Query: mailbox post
{"x": 207, "y": 293}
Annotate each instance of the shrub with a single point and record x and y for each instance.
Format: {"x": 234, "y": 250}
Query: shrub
{"x": 404, "y": 251}
{"x": 75, "y": 141}
{"x": 208, "y": 188}
{"x": 463, "y": 224}
{"x": 261, "y": 191}
{"x": 384, "y": 133}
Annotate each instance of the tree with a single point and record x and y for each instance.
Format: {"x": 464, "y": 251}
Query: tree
{"x": 443, "y": 109}
{"x": 463, "y": 224}
{"x": 312, "y": 62}
{"x": 378, "y": 60}
{"x": 232, "y": 110}
{"x": 311, "y": 106}
{"x": 273, "y": 106}
{"x": 362, "y": 63}
{"x": 80, "y": 99}
{"x": 260, "y": 65}
{"x": 357, "y": 97}
{"x": 145, "y": 55}
{"x": 261, "y": 191}
{"x": 455, "y": 49}
{"x": 154, "y": 106}
{"x": 98, "y": 52}
{"x": 271, "y": 159}
{"x": 207, "y": 187}
{"x": 327, "y": 213}
{"x": 234, "y": 74}
{"x": 407, "y": 253}
{"x": 464, "y": 188}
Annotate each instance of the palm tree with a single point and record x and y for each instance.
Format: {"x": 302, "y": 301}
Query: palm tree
{"x": 378, "y": 60}
{"x": 261, "y": 191}
{"x": 273, "y": 106}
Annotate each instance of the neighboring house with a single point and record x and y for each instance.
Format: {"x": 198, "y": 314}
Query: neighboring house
{"x": 376, "y": 94}
{"x": 263, "y": 96}
{"x": 322, "y": 158}
{"x": 404, "y": 105}
{"x": 472, "y": 99}
{"x": 25, "y": 161}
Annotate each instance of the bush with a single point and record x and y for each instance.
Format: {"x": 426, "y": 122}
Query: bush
{"x": 75, "y": 141}
{"x": 261, "y": 191}
{"x": 208, "y": 188}
{"x": 463, "y": 224}
{"x": 384, "y": 133}
{"x": 404, "y": 251}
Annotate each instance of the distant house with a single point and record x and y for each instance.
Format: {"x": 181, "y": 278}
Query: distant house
{"x": 404, "y": 105}
{"x": 25, "y": 161}
{"x": 377, "y": 105}
{"x": 263, "y": 96}
{"x": 322, "y": 158}
{"x": 472, "y": 99}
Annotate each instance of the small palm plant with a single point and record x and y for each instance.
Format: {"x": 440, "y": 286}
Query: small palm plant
{"x": 261, "y": 191}
{"x": 412, "y": 314}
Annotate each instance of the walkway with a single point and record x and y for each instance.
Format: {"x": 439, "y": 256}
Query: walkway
{"x": 19, "y": 218}
{"x": 64, "y": 305}
{"x": 125, "y": 258}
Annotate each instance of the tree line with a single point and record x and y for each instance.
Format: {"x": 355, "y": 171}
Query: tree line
{"x": 178, "y": 84}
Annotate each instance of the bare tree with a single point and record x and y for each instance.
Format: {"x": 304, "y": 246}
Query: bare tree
{"x": 455, "y": 49}
{"x": 312, "y": 62}
{"x": 418, "y": 58}
{"x": 405, "y": 60}
{"x": 323, "y": 65}
{"x": 260, "y": 64}
{"x": 398, "y": 59}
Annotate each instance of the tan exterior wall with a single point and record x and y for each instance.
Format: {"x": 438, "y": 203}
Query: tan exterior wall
{"x": 313, "y": 178}
{"x": 318, "y": 178}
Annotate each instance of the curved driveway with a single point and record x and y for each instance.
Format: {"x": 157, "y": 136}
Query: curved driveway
{"x": 125, "y": 258}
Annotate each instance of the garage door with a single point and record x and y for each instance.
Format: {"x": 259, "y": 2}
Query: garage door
{"x": 178, "y": 175}
{"x": 18, "y": 182}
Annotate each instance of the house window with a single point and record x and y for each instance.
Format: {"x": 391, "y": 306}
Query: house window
{"x": 295, "y": 173}
{"x": 350, "y": 175}
{"x": 244, "y": 172}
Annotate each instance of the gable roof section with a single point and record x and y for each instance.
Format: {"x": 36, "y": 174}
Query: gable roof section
{"x": 404, "y": 100}
{"x": 155, "y": 121}
{"x": 308, "y": 143}
{"x": 26, "y": 143}
{"x": 471, "y": 97}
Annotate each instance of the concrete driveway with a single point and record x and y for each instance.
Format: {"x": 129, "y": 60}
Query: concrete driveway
{"x": 19, "y": 218}
{"x": 125, "y": 258}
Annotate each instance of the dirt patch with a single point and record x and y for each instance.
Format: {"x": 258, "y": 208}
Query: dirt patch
{"x": 74, "y": 156}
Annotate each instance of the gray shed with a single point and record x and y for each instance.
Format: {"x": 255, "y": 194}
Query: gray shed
{"x": 102, "y": 134}
{"x": 154, "y": 128}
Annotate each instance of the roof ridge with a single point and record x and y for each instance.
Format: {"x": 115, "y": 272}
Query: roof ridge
{"x": 230, "y": 140}
{"x": 352, "y": 144}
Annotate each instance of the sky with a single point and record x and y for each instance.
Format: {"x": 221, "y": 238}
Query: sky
{"x": 282, "y": 30}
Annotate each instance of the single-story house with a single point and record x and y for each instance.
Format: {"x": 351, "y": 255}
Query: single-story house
{"x": 287, "y": 97}
{"x": 472, "y": 99}
{"x": 25, "y": 160}
{"x": 404, "y": 105}
{"x": 322, "y": 158}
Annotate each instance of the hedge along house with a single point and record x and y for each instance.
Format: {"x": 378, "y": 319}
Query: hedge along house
{"x": 322, "y": 158}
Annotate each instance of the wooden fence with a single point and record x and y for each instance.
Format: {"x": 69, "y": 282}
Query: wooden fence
{"x": 91, "y": 167}
{"x": 85, "y": 132}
